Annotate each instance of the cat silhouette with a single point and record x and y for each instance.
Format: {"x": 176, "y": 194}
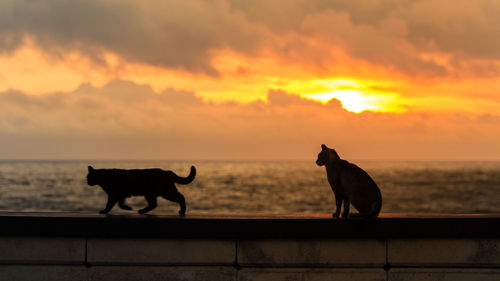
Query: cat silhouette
{"x": 150, "y": 183}
{"x": 350, "y": 184}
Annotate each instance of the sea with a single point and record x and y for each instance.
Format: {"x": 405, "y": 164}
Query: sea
{"x": 257, "y": 187}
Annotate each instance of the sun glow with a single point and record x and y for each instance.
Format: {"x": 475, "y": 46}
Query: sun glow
{"x": 351, "y": 100}
{"x": 357, "y": 96}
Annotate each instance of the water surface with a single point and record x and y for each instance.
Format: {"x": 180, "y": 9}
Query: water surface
{"x": 278, "y": 187}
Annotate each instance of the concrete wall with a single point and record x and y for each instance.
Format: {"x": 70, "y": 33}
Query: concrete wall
{"x": 80, "y": 258}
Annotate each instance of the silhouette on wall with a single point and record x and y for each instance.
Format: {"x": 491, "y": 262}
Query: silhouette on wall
{"x": 350, "y": 184}
{"x": 150, "y": 183}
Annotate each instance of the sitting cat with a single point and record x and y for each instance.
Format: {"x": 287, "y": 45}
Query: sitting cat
{"x": 350, "y": 184}
{"x": 150, "y": 183}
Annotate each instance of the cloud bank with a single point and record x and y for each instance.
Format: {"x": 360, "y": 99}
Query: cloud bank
{"x": 425, "y": 38}
{"x": 125, "y": 120}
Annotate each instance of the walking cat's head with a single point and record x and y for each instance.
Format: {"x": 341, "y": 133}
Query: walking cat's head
{"x": 91, "y": 177}
{"x": 326, "y": 155}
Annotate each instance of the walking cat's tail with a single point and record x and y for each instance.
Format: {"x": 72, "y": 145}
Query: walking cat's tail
{"x": 175, "y": 178}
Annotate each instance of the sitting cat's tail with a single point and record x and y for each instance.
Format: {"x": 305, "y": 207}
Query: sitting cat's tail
{"x": 175, "y": 178}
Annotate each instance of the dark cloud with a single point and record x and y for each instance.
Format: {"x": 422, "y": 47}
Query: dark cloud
{"x": 119, "y": 91}
{"x": 180, "y": 98}
{"x": 453, "y": 25}
{"x": 372, "y": 43}
{"x": 19, "y": 99}
{"x": 465, "y": 27}
{"x": 129, "y": 93}
{"x": 287, "y": 16}
{"x": 282, "y": 98}
{"x": 184, "y": 34}
{"x": 393, "y": 33}
{"x": 174, "y": 34}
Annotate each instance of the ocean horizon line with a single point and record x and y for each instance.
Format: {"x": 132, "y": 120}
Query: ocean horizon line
{"x": 312, "y": 159}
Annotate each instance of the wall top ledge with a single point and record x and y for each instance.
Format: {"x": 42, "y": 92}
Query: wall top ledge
{"x": 248, "y": 226}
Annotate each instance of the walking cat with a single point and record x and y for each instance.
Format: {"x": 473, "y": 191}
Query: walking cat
{"x": 150, "y": 183}
{"x": 350, "y": 184}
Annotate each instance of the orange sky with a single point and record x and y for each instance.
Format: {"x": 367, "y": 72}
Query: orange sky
{"x": 410, "y": 79}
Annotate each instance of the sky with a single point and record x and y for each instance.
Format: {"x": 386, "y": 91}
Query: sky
{"x": 249, "y": 79}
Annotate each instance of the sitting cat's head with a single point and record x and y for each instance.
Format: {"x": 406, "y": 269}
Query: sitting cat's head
{"x": 326, "y": 155}
{"x": 91, "y": 177}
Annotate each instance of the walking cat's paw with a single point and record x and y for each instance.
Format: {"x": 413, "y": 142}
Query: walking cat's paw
{"x": 103, "y": 212}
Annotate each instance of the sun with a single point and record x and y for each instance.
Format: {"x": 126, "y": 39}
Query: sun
{"x": 357, "y": 96}
{"x": 351, "y": 100}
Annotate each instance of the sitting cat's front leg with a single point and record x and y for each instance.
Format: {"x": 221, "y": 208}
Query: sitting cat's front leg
{"x": 347, "y": 204}
{"x": 338, "y": 203}
{"x": 121, "y": 204}
{"x": 109, "y": 205}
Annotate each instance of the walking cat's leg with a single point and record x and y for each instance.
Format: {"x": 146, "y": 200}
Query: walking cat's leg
{"x": 338, "y": 203}
{"x": 109, "y": 205}
{"x": 347, "y": 204}
{"x": 151, "y": 204}
{"x": 179, "y": 198}
{"x": 121, "y": 204}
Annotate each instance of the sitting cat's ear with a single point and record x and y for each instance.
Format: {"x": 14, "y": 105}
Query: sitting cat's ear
{"x": 323, "y": 147}
{"x": 91, "y": 169}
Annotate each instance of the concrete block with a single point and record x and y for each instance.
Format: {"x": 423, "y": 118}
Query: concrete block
{"x": 443, "y": 274}
{"x": 444, "y": 252}
{"x": 331, "y": 252}
{"x": 43, "y": 273}
{"x": 161, "y": 273}
{"x": 42, "y": 250}
{"x": 306, "y": 274}
{"x": 161, "y": 251}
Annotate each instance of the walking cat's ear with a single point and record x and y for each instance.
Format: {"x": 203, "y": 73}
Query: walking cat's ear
{"x": 91, "y": 169}
{"x": 323, "y": 147}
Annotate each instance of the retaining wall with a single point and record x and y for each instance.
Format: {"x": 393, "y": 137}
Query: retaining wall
{"x": 68, "y": 246}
